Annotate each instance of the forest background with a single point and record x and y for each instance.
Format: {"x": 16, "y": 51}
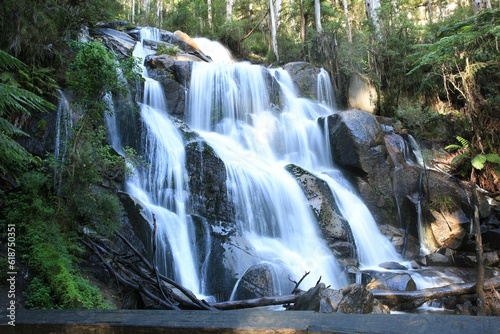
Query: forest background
{"x": 434, "y": 65}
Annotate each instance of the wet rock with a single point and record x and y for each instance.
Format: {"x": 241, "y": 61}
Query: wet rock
{"x": 256, "y": 282}
{"x": 310, "y": 301}
{"x": 392, "y": 266}
{"x": 393, "y": 281}
{"x": 116, "y": 40}
{"x": 449, "y": 228}
{"x": 334, "y": 227}
{"x": 436, "y": 259}
{"x": 304, "y": 76}
{"x": 207, "y": 180}
{"x": 492, "y": 238}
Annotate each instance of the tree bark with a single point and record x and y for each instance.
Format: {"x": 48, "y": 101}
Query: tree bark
{"x": 481, "y": 308}
{"x": 249, "y": 303}
{"x": 347, "y": 22}
{"x": 407, "y": 300}
{"x": 317, "y": 16}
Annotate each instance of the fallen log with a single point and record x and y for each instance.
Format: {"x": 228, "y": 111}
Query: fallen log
{"x": 407, "y": 300}
{"x": 257, "y": 302}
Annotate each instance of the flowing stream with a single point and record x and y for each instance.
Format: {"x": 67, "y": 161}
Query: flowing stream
{"x": 229, "y": 105}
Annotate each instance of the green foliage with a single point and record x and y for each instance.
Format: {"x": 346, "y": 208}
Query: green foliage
{"x": 16, "y": 101}
{"x": 462, "y": 64}
{"x": 45, "y": 245}
{"x": 171, "y": 50}
{"x": 34, "y": 31}
{"x": 468, "y": 157}
{"x": 420, "y": 120}
{"x": 93, "y": 73}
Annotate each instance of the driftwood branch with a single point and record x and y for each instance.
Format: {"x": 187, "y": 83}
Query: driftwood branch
{"x": 407, "y": 300}
{"x": 296, "y": 288}
{"x": 249, "y": 303}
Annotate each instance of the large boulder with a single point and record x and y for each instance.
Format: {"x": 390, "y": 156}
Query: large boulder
{"x": 333, "y": 226}
{"x": 256, "y": 282}
{"x": 116, "y": 40}
{"x": 357, "y": 144}
{"x": 305, "y": 78}
{"x": 393, "y": 281}
{"x": 207, "y": 180}
{"x": 353, "y": 299}
{"x": 356, "y": 140}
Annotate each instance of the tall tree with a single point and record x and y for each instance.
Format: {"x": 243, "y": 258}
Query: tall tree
{"x": 317, "y": 16}
{"x": 273, "y": 24}
{"x": 347, "y": 22}
{"x": 229, "y": 10}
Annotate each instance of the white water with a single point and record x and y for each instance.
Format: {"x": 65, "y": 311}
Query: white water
{"x": 64, "y": 125}
{"x": 229, "y": 105}
{"x": 161, "y": 187}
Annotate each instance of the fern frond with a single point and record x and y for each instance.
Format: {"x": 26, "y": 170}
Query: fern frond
{"x": 453, "y": 147}
{"x": 492, "y": 157}
{"x": 464, "y": 142}
{"x": 18, "y": 99}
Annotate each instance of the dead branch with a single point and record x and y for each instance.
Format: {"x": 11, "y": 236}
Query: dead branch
{"x": 407, "y": 300}
{"x": 250, "y": 303}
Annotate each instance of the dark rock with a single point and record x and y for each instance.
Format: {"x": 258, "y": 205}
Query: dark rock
{"x": 357, "y": 300}
{"x": 207, "y": 180}
{"x": 310, "y": 301}
{"x": 392, "y": 266}
{"x": 436, "y": 259}
{"x": 305, "y": 77}
{"x": 492, "y": 238}
{"x": 256, "y": 282}
{"x": 393, "y": 281}
{"x": 356, "y": 139}
{"x": 116, "y": 40}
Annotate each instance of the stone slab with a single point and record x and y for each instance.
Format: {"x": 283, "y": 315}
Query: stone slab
{"x": 240, "y": 321}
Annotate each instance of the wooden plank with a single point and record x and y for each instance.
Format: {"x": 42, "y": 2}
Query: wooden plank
{"x": 260, "y": 321}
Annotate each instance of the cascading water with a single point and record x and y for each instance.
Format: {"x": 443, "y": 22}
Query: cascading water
{"x": 64, "y": 124}
{"x": 256, "y": 135}
{"x": 161, "y": 187}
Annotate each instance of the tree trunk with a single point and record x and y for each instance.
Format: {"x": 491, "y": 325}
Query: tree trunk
{"x": 481, "y": 310}
{"x": 209, "y": 10}
{"x": 272, "y": 21}
{"x": 317, "y": 16}
{"x": 229, "y": 10}
{"x": 249, "y": 303}
{"x": 347, "y": 22}
{"x": 407, "y": 300}
{"x": 302, "y": 26}
{"x": 372, "y": 7}
{"x": 480, "y": 5}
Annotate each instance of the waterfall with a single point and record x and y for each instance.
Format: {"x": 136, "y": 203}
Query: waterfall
{"x": 233, "y": 107}
{"x": 161, "y": 185}
{"x": 64, "y": 124}
{"x": 229, "y": 106}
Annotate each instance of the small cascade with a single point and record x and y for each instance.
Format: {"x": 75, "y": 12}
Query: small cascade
{"x": 216, "y": 51}
{"x": 373, "y": 247}
{"x": 64, "y": 124}
{"x": 161, "y": 185}
{"x": 326, "y": 94}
